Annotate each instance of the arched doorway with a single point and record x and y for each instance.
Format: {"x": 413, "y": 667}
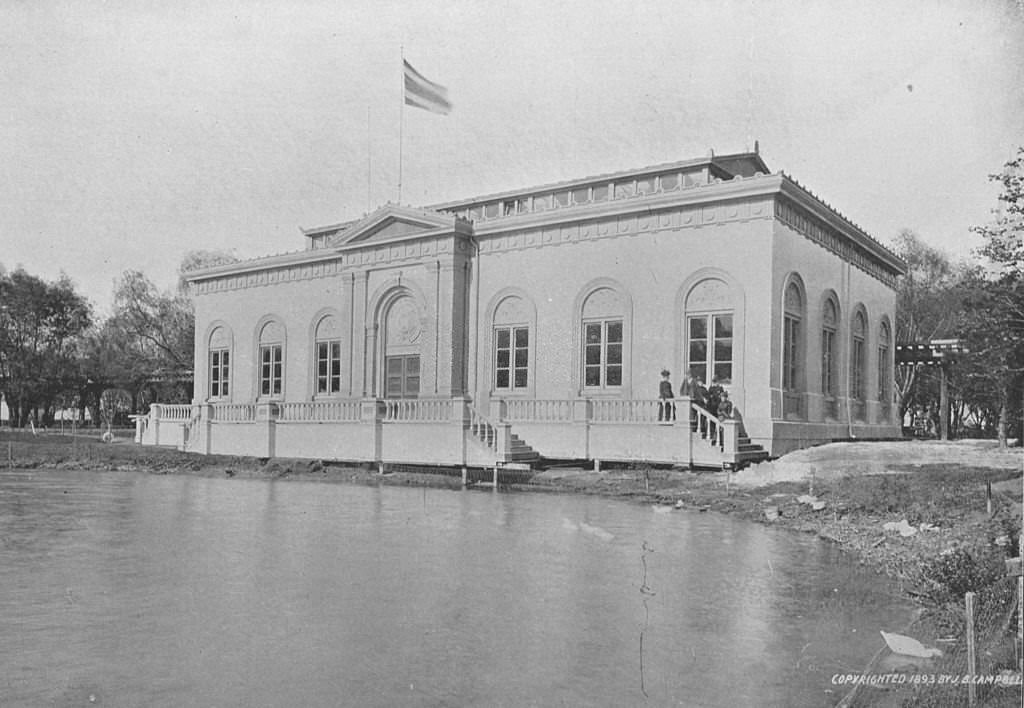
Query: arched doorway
{"x": 403, "y": 333}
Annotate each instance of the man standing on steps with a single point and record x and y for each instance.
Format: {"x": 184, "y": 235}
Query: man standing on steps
{"x": 666, "y": 409}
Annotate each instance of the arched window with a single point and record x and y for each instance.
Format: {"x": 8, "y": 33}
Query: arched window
{"x": 512, "y": 345}
{"x": 709, "y": 332}
{"x": 829, "y": 356}
{"x": 271, "y": 360}
{"x": 884, "y": 370}
{"x": 792, "y": 363}
{"x": 858, "y": 335}
{"x": 219, "y": 361}
{"x": 603, "y": 318}
{"x": 327, "y": 341}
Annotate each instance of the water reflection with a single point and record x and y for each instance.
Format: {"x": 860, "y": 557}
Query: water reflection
{"x": 170, "y": 591}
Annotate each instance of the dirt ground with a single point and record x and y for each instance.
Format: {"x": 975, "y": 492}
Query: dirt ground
{"x": 840, "y": 459}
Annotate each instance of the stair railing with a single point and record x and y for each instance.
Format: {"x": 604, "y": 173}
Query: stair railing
{"x": 707, "y": 426}
{"x": 497, "y": 437}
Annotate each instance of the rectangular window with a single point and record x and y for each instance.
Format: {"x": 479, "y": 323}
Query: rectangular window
{"x": 709, "y": 348}
{"x": 328, "y": 366}
{"x": 219, "y": 373}
{"x": 790, "y": 338}
{"x": 602, "y": 354}
{"x": 721, "y": 371}
{"x": 271, "y": 367}
{"x": 884, "y": 388}
{"x": 857, "y": 387}
{"x": 698, "y": 348}
{"x": 511, "y": 357}
{"x": 828, "y": 378}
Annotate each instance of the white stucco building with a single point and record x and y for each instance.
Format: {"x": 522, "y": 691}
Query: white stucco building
{"x": 536, "y": 322}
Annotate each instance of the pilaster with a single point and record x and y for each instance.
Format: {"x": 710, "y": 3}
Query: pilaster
{"x": 358, "y": 353}
{"x": 347, "y": 322}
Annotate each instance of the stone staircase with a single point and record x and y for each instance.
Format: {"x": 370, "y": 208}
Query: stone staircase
{"x": 505, "y": 446}
{"x": 748, "y": 453}
{"x": 520, "y": 451}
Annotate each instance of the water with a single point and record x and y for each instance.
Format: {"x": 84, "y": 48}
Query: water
{"x": 124, "y": 589}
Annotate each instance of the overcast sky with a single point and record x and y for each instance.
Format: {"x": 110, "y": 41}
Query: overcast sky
{"x": 133, "y": 132}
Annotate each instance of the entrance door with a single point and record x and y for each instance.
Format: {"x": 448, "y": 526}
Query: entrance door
{"x": 402, "y": 376}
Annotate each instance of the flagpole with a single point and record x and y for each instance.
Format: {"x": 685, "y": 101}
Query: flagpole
{"x": 401, "y": 125}
{"x": 369, "y": 164}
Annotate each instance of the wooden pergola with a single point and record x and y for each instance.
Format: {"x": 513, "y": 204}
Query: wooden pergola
{"x": 936, "y": 352}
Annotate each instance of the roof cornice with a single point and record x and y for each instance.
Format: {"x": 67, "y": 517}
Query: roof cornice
{"x": 811, "y": 202}
{"x": 460, "y": 229}
{"x": 725, "y": 190}
{"x": 576, "y": 182}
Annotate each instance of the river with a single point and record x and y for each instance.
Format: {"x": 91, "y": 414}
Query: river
{"x": 128, "y": 589}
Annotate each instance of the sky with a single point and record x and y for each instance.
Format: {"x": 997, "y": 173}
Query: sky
{"x": 133, "y": 133}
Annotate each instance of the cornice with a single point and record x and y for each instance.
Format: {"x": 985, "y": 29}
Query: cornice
{"x": 574, "y": 183}
{"x": 738, "y": 188}
{"x": 323, "y": 263}
{"x": 825, "y": 212}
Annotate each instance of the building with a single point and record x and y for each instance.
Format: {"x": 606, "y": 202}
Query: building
{"x": 536, "y": 322}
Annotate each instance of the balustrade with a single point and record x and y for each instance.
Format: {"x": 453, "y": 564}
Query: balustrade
{"x": 233, "y": 412}
{"x": 319, "y": 412}
{"x": 538, "y": 411}
{"x": 173, "y": 411}
{"x": 625, "y": 411}
{"x": 417, "y": 410}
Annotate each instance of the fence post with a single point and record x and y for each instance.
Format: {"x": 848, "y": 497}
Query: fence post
{"x": 971, "y": 658}
{"x": 1020, "y": 623}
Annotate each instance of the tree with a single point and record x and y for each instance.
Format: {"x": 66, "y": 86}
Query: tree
{"x": 997, "y": 307}
{"x": 926, "y": 309}
{"x": 41, "y": 324}
{"x": 148, "y": 342}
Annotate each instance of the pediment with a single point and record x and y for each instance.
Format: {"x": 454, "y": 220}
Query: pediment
{"x": 393, "y": 223}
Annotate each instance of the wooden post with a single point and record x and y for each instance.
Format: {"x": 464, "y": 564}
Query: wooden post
{"x": 1020, "y": 620}
{"x": 495, "y": 478}
{"x": 988, "y": 497}
{"x": 971, "y": 658}
{"x": 465, "y": 475}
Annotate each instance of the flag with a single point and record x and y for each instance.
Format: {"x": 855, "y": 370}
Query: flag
{"x": 421, "y": 93}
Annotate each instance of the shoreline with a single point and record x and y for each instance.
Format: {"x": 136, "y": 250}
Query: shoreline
{"x": 850, "y": 510}
{"x": 922, "y": 526}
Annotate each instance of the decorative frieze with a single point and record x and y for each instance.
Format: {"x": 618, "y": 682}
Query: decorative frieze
{"x": 832, "y": 240}
{"x": 329, "y": 268}
{"x": 628, "y": 225}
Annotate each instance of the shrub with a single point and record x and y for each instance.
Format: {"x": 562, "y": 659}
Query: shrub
{"x": 956, "y": 572}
